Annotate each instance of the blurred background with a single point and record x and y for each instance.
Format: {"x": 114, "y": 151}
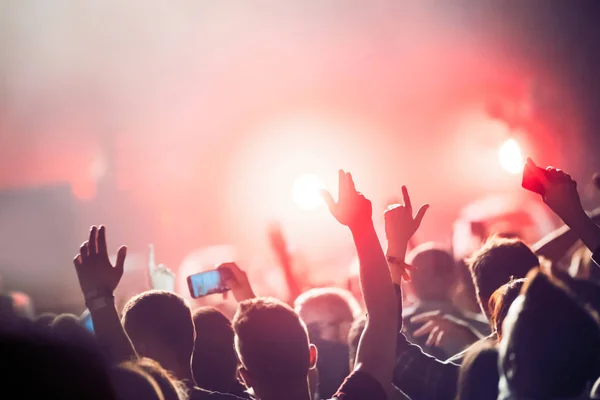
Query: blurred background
{"x": 194, "y": 125}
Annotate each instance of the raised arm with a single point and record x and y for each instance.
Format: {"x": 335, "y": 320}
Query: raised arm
{"x": 98, "y": 279}
{"x": 418, "y": 375}
{"x": 376, "y": 350}
{"x": 560, "y": 194}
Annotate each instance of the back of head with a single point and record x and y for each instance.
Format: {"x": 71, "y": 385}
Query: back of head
{"x": 171, "y": 388}
{"x": 271, "y": 341}
{"x": 478, "y": 377}
{"x": 68, "y": 328}
{"x": 500, "y": 303}
{"x": 497, "y": 262}
{"x": 551, "y": 342}
{"x": 354, "y": 336}
{"x": 214, "y": 363}
{"x": 44, "y": 320}
{"x": 132, "y": 383}
{"x": 327, "y": 312}
{"x": 38, "y": 363}
{"x": 433, "y": 277}
{"x": 162, "y": 319}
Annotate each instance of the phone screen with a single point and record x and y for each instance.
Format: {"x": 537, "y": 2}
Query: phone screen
{"x": 206, "y": 283}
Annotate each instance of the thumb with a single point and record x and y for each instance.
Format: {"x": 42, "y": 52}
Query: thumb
{"x": 421, "y": 214}
{"x": 121, "y": 254}
{"x": 328, "y": 199}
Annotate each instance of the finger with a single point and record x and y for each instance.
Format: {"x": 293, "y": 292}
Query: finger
{"x": 425, "y": 329}
{"x": 440, "y": 337}
{"x": 408, "y": 267}
{"x": 421, "y": 214}
{"x": 93, "y": 244}
{"x": 328, "y": 199}
{"x": 350, "y": 182}
{"x": 120, "y": 264}
{"x": 432, "y": 336}
{"x": 84, "y": 251}
{"x": 406, "y": 276}
{"x": 102, "y": 242}
{"x": 151, "y": 259}
{"x": 406, "y": 198}
{"x": 77, "y": 261}
{"x": 225, "y": 295}
{"x": 341, "y": 184}
{"x": 425, "y": 317}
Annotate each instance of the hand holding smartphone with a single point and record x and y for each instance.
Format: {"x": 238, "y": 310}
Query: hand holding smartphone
{"x": 209, "y": 282}
{"x": 531, "y": 178}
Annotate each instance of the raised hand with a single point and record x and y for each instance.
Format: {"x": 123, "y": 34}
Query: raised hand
{"x": 444, "y": 331}
{"x": 560, "y": 193}
{"x": 400, "y": 225}
{"x": 352, "y": 208}
{"x": 238, "y": 282}
{"x": 161, "y": 277}
{"x": 94, "y": 269}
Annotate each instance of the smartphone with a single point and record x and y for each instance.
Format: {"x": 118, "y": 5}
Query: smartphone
{"x": 531, "y": 181}
{"x": 209, "y": 282}
{"x": 85, "y": 320}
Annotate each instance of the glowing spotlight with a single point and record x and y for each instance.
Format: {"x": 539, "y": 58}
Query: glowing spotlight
{"x": 305, "y": 191}
{"x": 510, "y": 156}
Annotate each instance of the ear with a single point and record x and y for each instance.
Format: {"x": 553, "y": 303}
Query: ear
{"x": 313, "y": 354}
{"x": 244, "y": 376}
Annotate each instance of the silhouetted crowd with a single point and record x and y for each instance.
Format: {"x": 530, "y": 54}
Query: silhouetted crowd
{"x": 509, "y": 322}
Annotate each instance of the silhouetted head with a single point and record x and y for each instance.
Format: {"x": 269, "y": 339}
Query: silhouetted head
{"x": 44, "y": 320}
{"x": 133, "y": 383}
{"x": 433, "y": 277}
{"x": 478, "y": 377}
{"x": 38, "y": 364}
{"x": 328, "y": 313}
{"x": 354, "y": 336}
{"x": 550, "y": 346}
{"x": 160, "y": 326}
{"x": 497, "y": 262}
{"x": 272, "y": 344}
{"x": 214, "y": 364}
{"x": 170, "y": 387}
{"x": 500, "y": 302}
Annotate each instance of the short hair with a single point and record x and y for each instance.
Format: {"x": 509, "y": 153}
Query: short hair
{"x": 132, "y": 382}
{"x": 500, "y": 302}
{"x": 340, "y": 301}
{"x": 171, "y": 388}
{"x": 162, "y": 315}
{"x": 214, "y": 364}
{"x": 478, "y": 377}
{"x": 497, "y": 262}
{"x": 354, "y": 335}
{"x": 434, "y": 273}
{"x": 271, "y": 341}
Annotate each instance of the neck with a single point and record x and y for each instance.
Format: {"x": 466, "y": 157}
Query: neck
{"x": 296, "y": 390}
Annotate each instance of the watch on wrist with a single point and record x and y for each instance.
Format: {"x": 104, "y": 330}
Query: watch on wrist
{"x": 395, "y": 260}
{"x": 99, "y": 303}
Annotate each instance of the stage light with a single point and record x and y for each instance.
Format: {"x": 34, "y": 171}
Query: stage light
{"x": 510, "y": 156}
{"x": 305, "y": 191}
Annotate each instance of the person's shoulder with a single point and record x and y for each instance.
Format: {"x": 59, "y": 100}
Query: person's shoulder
{"x": 201, "y": 394}
{"x": 360, "y": 385}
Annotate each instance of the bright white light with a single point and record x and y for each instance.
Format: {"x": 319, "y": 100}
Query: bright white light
{"x": 510, "y": 156}
{"x": 305, "y": 191}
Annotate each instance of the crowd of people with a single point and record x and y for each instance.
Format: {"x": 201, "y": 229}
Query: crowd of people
{"x": 532, "y": 334}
